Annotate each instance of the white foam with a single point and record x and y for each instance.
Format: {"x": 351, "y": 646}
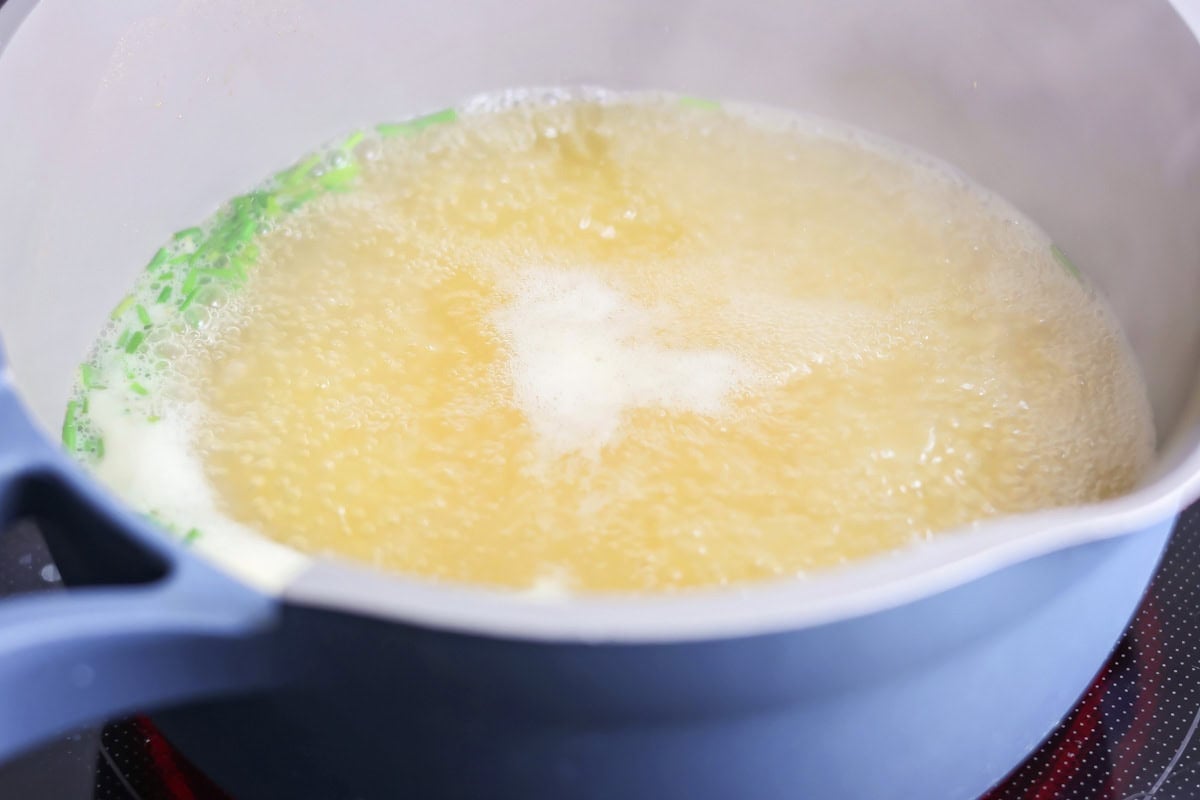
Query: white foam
{"x": 156, "y": 468}
{"x": 582, "y": 354}
{"x": 550, "y": 587}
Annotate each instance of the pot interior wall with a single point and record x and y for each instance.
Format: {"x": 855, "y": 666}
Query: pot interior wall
{"x": 125, "y": 122}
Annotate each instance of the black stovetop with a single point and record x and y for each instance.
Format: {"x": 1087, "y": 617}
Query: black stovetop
{"x": 1132, "y": 736}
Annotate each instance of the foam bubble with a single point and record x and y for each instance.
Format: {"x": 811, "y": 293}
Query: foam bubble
{"x": 154, "y": 462}
{"x": 582, "y": 354}
{"x": 157, "y": 464}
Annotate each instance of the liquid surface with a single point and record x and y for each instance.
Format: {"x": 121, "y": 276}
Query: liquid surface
{"x": 626, "y": 344}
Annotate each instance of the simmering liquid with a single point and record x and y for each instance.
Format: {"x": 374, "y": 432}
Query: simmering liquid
{"x": 618, "y": 343}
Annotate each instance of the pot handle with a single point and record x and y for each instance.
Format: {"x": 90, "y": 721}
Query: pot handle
{"x": 149, "y": 625}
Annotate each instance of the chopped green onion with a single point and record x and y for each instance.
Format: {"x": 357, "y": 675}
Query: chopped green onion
{"x": 187, "y": 301}
{"x": 69, "y": 432}
{"x": 207, "y": 252}
{"x": 296, "y": 202}
{"x": 289, "y": 177}
{"x": 122, "y": 306}
{"x": 339, "y": 179}
{"x": 308, "y": 165}
{"x": 414, "y": 126}
{"x": 219, "y": 273}
{"x": 159, "y": 258}
{"x": 191, "y": 281}
{"x": 88, "y": 375}
{"x": 1066, "y": 263}
{"x": 241, "y": 205}
{"x": 688, "y": 101}
{"x": 246, "y": 227}
{"x": 191, "y": 234}
{"x": 192, "y": 535}
{"x": 238, "y": 264}
{"x": 223, "y": 251}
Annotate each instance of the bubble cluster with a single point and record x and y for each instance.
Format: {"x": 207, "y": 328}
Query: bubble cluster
{"x": 581, "y": 357}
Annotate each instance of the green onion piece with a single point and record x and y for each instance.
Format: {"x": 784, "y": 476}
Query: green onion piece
{"x": 123, "y": 338}
{"x": 308, "y": 165}
{"x": 687, "y": 101}
{"x": 246, "y": 227}
{"x": 241, "y": 205}
{"x": 98, "y": 448}
{"x": 351, "y": 141}
{"x": 88, "y": 375}
{"x": 204, "y": 254}
{"x": 259, "y": 200}
{"x": 219, "y": 273}
{"x": 238, "y": 264}
{"x": 137, "y": 388}
{"x": 436, "y": 118}
{"x": 192, "y": 535}
{"x": 191, "y": 234}
{"x": 69, "y": 432}
{"x": 290, "y": 177}
{"x": 122, "y": 306}
{"x": 135, "y": 341}
{"x": 1066, "y": 263}
{"x": 414, "y": 126}
{"x": 191, "y": 281}
{"x": 187, "y": 300}
{"x": 153, "y": 418}
{"x": 340, "y": 178}
{"x": 299, "y": 200}
{"x": 164, "y": 295}
{"x": 143, "y": 315}
{"x": 159, "y": 258}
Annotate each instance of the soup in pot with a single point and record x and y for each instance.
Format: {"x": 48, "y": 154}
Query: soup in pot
{"x": 587, "y": 342}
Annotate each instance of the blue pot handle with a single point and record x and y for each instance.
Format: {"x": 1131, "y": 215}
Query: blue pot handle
{"x": 166, "y": 627}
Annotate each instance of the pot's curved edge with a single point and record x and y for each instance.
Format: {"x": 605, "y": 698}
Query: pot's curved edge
{"x": 1190, "y": 11}
{"x": 877, "y": 585}
{"x": 12, "y": 14}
